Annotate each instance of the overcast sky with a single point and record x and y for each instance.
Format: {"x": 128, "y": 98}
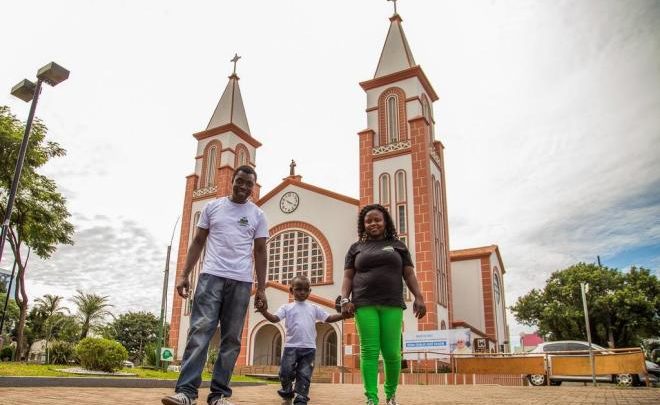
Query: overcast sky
{"x": 549, "y": 112}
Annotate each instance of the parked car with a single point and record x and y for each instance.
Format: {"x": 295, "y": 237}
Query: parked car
{"x": 583, "y": 349}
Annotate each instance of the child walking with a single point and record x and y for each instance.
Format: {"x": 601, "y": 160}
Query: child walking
{"x": 300, "y": 346}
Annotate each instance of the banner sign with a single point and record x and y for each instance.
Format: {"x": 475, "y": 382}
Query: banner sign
{"x": 436, "y": 344}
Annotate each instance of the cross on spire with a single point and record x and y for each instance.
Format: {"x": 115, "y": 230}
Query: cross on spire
{"x": 235, "y": 60}
{"x": 394, "y": 1}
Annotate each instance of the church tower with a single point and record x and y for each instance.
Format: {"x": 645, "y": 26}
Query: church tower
{"x": 224, "y": 145}
{"x": 402, "y": 168}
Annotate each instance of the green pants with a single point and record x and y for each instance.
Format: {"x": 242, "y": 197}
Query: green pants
{"x": 379, "y": 328}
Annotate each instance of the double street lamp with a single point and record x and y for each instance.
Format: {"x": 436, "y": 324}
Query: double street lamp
{"x": 53, "y": 74}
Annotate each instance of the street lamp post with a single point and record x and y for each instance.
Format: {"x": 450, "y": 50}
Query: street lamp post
{"x": 163, "y": 304}
{"x": 584, "y": 287}
{"x": 53, "y": 74}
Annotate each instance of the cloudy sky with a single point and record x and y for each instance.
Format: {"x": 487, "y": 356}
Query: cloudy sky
{"x": 549, "y": 112}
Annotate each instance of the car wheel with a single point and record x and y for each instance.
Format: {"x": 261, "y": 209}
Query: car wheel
{"x": 625, "y": 380}
{"x": 536, "y": 379}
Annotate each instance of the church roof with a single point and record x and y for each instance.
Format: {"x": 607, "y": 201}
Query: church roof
{"x": 295, "y": 180}
{"x": 475, "y": 253}
{"x": 396, "y": 54}
{"x": 230, "y": 109}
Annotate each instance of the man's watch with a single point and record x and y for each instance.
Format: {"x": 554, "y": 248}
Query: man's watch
{"x": 344, "y": 301}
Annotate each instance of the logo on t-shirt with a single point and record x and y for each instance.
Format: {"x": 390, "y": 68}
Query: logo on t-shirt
{"x": 243, "y": 221}
{"x": 388, "y": 249}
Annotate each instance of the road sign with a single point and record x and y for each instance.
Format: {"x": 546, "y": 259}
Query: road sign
{"x": 166, "y": 354}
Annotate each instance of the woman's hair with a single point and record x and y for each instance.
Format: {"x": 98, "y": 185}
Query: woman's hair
{"x": 390, "y": 230}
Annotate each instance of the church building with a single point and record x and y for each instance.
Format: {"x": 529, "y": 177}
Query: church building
{"x": 401, "y": 166}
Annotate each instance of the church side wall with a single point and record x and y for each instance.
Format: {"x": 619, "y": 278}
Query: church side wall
{"x": 500, "y": 309}
{"x": 468, "y": 301}
{"x": 335, "y": 218}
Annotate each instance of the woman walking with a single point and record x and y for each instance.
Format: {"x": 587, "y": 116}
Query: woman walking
{"x": 375, "y": 268}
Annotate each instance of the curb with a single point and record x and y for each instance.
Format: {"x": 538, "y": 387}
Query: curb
{"x": 101, "y": 382}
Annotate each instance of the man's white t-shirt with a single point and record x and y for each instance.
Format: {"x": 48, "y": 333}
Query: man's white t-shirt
{"x": 300, "y": 322}
{"x": 232, "y": 231}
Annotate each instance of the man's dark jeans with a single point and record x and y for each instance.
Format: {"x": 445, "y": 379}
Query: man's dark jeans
{"x": 222, "y": 300}
{"x": 297, "y": 365}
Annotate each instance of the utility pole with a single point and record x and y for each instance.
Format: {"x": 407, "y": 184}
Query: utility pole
{"x": 583, "y": 287}
{"x": 163, "y": 304}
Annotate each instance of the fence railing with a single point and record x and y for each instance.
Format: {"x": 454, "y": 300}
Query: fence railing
{"x": 508, "y": 368}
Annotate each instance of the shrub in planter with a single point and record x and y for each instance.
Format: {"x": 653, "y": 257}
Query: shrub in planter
{"x": 6, "y": 353}
{"x": 101, "y": 354}
{"x": 150, "y": 355}
{"x": 60, "y": 352}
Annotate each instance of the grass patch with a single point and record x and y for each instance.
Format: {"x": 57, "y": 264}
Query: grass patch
{"x": 14, "y": 369}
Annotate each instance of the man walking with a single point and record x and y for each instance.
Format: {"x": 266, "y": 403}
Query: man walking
{"x": 232, "y": 228}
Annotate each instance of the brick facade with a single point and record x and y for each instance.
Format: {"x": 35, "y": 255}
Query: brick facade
{"x": 423, "y": 217}
{"x": 186, "y": 219}
{"x": 366, "y": 167}
{"x": 487, "y": 288}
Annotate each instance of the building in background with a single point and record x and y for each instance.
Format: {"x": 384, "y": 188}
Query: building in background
{"x": 5, "y": 276}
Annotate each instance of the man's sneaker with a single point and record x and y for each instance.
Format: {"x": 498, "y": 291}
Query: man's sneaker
{"x": 392, "y": 401}
{"x": 221, "y": 401}
{"x": 178, "y": 399}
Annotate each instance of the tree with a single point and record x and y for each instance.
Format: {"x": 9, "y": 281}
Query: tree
{"x": 92, "y": 310}
{"x": 39, "y": 219}
{"x": 11, "y": 319}
{"x": 623, "y": 307}
{"x": 51, "y": 305}
{"x": 62, "y": 327}
{"x": 134, "y": 330}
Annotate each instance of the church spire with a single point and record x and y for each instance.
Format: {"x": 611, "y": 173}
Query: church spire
{"x": 230, "y": 109}
{"x": 396, "y": 54}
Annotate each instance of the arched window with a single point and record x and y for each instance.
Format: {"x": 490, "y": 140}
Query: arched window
{"x": 195, "y": 222}
{"x": 385, "y": 191}
{"x": 400, "y": 181}
{"x": 211, "y": 166}
{"x": 496, "y": 287}
{"x": 443, "y": 325}
{"x": 294, "y": 252}
{"x": 439, "y": 242}
{"x": 427, "y": 111}
{"x": 401, "y": 214}
{"x": 242, "y": 156}
{"x": 392, "y": 121}
{"x": 392, "y": 126}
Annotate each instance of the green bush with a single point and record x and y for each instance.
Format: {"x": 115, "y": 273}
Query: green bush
{"x": 60, "y": 352}
{"x": 210, "y": 360}
{"x": 101, "y": 354}
{"x": 6, "y": 353}
{"x": 150, "y": 356}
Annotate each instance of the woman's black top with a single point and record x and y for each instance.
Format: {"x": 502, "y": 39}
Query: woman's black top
{"x": 378, "y": 266}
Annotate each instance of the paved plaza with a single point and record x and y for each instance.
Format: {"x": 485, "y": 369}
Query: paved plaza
{"x": 327, "y": 394}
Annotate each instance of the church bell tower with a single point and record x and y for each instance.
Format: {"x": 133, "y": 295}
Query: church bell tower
{"x": 402, "y": 168}
{"x": 224, "y": 145}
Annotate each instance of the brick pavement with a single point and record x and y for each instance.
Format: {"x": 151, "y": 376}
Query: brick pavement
{"x": 327, "y": 394}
